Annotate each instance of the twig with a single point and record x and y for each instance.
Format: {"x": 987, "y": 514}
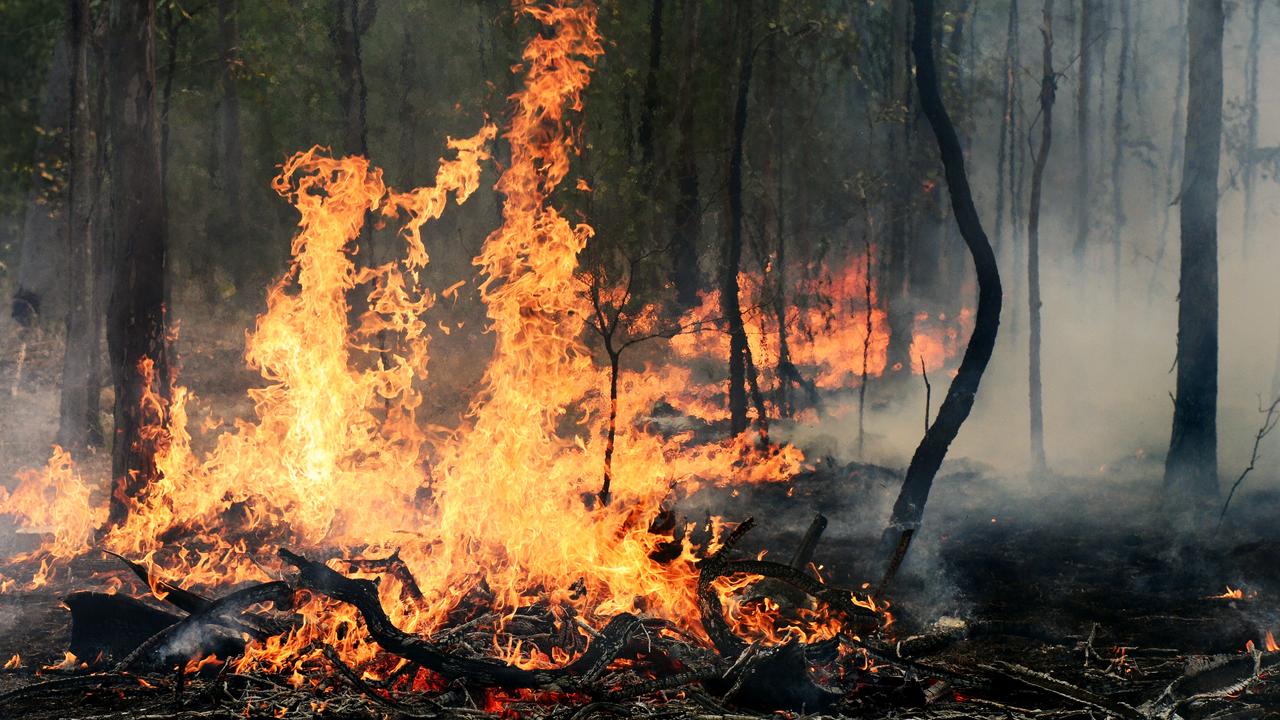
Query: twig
{"x": 1268, "y": 424}
{"x": 928, "y": 393}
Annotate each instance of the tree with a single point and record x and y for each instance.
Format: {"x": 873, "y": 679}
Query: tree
{"x": 1048, "y": 91}
{"x": 1191, "y": 467}
{"x": 78, "y": 424}
{"x": 137, "y": 331}
{"x": 1249, "y": 164}
{"x": 742, "y": 373}
{"x": 687, "y": 216}
{"x": 1083, "y": 138}
{"x": 227, "y": 219}
{"x": 352, "y": 20}
{"x": 1118, "y": 130}
{"x": 908, "y": 510}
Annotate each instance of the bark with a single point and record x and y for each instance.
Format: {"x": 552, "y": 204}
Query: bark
{"x": 1048, "y": 91}
{"x": 136, "y": 326}
{"x": 687, "y": 217}
{"x": 730, "y": 301}
{"x": 1248, "y": 165}
{"x": 1191, "y": 467}
{"x": 1083, "y": 139}
{"x": 78, "y": 424}
{"x": 929, "y": 454}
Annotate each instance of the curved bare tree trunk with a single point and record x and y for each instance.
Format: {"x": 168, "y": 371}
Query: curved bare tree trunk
{"x": 909, "y": 508}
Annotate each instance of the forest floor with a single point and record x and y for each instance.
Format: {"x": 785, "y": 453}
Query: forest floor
{"x": 1079, "y": 578}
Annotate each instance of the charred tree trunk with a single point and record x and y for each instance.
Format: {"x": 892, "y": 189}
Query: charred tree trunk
{"x": 909, "y": 508}
{"x": 730, "y": 301}
{"x": 1083, "y": 139}
{"x": 1191, "y": 467}
{"x": 687, "y": 218}
{"x": 136, "y": 330}
{"x": 1048, "y": 92}
{"x": 78, "y": 423}
{"x": 1248, "y": 165}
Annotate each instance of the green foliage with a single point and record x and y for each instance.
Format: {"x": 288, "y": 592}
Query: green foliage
{"x": 28, "y": 31}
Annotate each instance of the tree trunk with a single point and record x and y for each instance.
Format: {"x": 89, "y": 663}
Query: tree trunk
{"x": 227, "y": 219}
{"x": 1248, "y": 165}
{"x": 651, "y": 87}
{"x": 353, "y": 18}
{"x": 78, "y": 424}
{"x": 1118, "y": 131}
{"x": 730, "y": 302}
{"x": 1175, "y": 152}
{"x": 1004, "y": 151}
{"x": 137, "y": 329}
{"x": 1083, "y": 139}
{"x": 1191, "y": 467}
{"x": 1016, "y": 171}
{"x": 1048, "y": 91}
{"x": 687, "y": 218}
{"x": 902, "y": 192}
{"x": 929, "y": 454}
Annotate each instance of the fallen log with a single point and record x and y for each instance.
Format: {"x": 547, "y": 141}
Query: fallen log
{"x": 475, "y": 672}
{"x": 112, "y": 626}
{"x": 214, "y": 630}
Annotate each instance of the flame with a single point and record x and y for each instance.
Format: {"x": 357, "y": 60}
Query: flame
{"x": 14, "y": 662}
{"x": 69, "y": 662}
{"x": 1269, "y": 643}
{"x": 337, "y": 460}
{"x": 837, "y": 313}
{"x": 1230, "y": 594}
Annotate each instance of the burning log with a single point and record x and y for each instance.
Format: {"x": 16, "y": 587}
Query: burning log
{"x": 208, "y": 630}
{"x": 363, "y": 596}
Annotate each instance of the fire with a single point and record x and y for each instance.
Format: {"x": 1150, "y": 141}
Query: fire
{"x": 337, "y": 459}
{"x": 837, "y": 315}
{"x": 69, "y": 662}
{"x": 14, "y": 662}
{"x": 1270, "y": 643}
{"x": 1230, "y": 594}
